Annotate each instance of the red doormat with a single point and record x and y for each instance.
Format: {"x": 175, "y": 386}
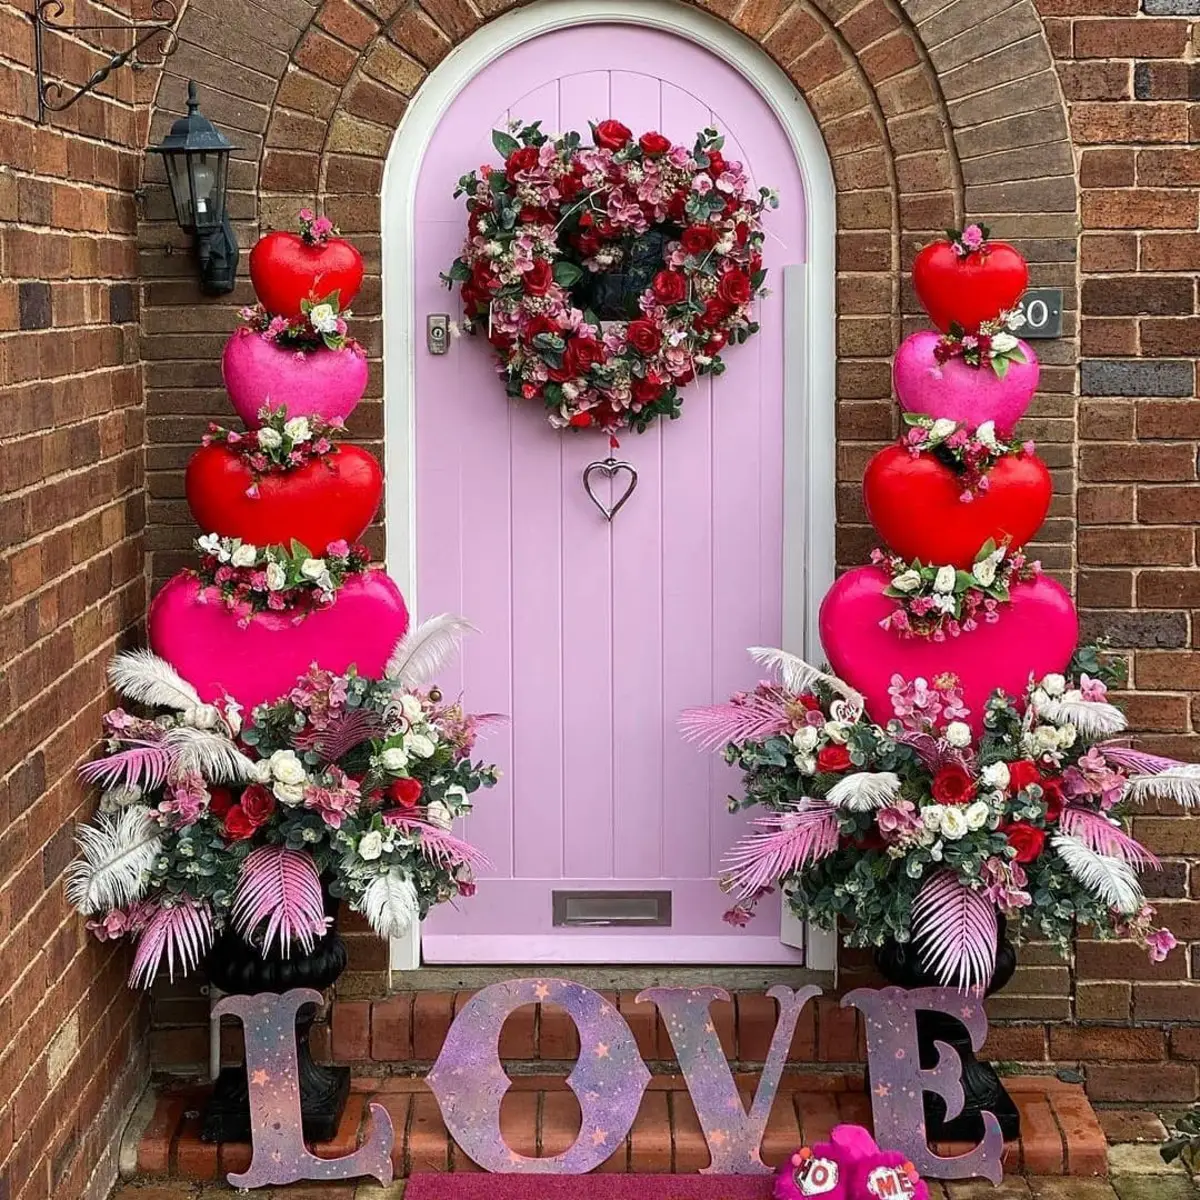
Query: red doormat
{"x": 597, "y": 1186}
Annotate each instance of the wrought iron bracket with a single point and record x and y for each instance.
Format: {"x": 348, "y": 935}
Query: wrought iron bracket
{"x": 53, "y": 96}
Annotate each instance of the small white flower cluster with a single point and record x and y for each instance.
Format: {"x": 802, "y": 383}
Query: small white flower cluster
{"x": 955, "y": 821}
{"x": 287, "y": 776}
{"x": 419, "y": 739}
{"x": 805, "y": 742}
{"x": 238, "y": 553}
{"x": 297, "y": 430}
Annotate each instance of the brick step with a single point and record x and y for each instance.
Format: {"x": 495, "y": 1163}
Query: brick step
{"x": 1060, "y": 1132}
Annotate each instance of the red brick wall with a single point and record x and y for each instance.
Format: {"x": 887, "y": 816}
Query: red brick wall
{"x": 71, "y": 584}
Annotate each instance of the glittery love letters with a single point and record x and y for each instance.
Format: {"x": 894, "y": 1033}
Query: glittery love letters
{"x": 609, "y": 1079}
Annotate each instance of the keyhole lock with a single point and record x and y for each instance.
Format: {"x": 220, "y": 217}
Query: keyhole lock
{"x": 437, "y": 333}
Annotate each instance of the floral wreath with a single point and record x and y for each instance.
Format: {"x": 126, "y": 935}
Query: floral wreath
{"x": 609, "y": 276}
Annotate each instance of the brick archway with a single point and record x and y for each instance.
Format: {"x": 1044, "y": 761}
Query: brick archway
{"x": 929, "y": 111}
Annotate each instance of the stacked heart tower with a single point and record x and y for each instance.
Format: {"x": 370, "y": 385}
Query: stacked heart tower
{"x": 282, "y": 580}
{"x": 954, "y": 502}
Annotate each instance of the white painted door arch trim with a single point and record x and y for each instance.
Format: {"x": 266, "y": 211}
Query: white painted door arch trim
{"x": 809, "y": 295}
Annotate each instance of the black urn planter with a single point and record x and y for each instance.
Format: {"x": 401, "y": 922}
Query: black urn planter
{"x": 983, "y": 1090}
{"x": 238, "y": 968}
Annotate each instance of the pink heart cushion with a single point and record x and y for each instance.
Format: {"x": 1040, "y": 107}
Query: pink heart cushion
{"x": 322, "y": 383}
{"x": 1037, "y": 632}
{"x": 262, "y": 661}
{"x": 970, "y": 395}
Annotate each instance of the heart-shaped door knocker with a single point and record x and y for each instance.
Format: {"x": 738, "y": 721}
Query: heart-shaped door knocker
{"x": 609, "y": 467}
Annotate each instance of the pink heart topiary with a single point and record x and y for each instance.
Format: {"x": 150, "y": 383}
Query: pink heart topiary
{"x": 1036, "y": 633}
{"x": 971, "y": 395}
{"x": 261, "y": 662}
{"x": 319, "y": 383}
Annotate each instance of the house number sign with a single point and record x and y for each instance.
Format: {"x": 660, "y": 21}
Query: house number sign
{"x": 609, "y": 1078}
{"x": 1043, "y": 309}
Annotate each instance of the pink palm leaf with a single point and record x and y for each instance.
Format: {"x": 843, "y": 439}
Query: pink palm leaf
{"x": 282, "y": 888}
{"x": 781, "y": 844}
{"x": 1101, "y": 835}
{"x": 1138, "y": 761}
{"x": 143, "y": 764}
{"x": 439, "y": 845}
{"x": 752, "y": 719}
{"x": 955, "y": 931}
{"x": 180, "y": 934}
{"x": 343, "y": 733}
{"x": 932, "y": 752}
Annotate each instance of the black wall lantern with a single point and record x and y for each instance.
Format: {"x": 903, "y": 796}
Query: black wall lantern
{"x": 196, "y": 156}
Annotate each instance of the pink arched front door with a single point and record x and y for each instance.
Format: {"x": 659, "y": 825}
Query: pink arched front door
{"x": 606, "y": 832}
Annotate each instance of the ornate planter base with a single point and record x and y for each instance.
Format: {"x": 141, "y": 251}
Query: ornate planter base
{"x": 240, "y": 969}
{"x": 983, "y": 1090}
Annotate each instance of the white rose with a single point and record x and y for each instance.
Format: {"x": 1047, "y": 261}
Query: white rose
{"x": 438, "y": 814}
{"x": 244, "y": 555}
{"x": 977, "y": 815}
{"x": 370, "y": 845}
{"x": 394, "y": 760}
{"x": 287, "y": 768}
{"x": 322, "y": 318}
{"x": 411, "y": 707}
{"x": 419, "y": 744}
{"x": 289, "y": 793}
{"x": 298, "y": 429}
{"x": 805, "y": 739}
{"x": 1002, "y": 343}
{"x": 211, "y": 543}
{"x": 276, "y": 577}
{"x": 261, "y": 771}
{"x": 954, "y": 822}
{"x": 958, "y": 733}
{"x": 931, "y": 817}
{"x": 1054, "y": 685}
{"x": 945, "y": 579}
{"x": 1045, "y": 737}
{"x": 836, "y": 731}
{"x": 313, "y": 568}
{"x": 986, "y": 433}
{"x": 806, "y": 764}
{"x": 269, "y": 439}
{"x": 1066, "y": 737}
{"x": 995, "y": 775}
{"x": 907, "y": 581}
{"x": 942, "y": 428}
{"x": 984, "y": 572}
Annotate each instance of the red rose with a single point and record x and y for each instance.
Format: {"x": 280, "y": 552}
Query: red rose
{"x": 698, "y": 239}
{"x": 715, "y": 311}
{"x": 1021, "y": 774}
{"x": 539, "y": 277}
{"x": 405, "y": 792}
{"x": 1052, "y": 794}
{"x": 833, "y": 757}
{"x": 540, "y": 324}
{"x": 669, "y": 287}
{"x": 644, "y": 337}
{"x": 953, "y": 785}
{"x": 612, "y": 135}
{"x": 808, "y": 702}
{"x": 677, "y": 206}
{"x": 716, "y": 163}
{"x": 220, "y": 801}
{"x": 258, "y": 804}
{"x": 582, "y": 353}
{"x": 646, "y": 391}
{"x": 734, "y": 288}
{"x": 1026, "y": 839}
{"x": 581, "y": 420}
{"x": 481, "y": 279}
{"x": 524, "y": 159}
{"x": 537, "y": 216}
{"x": 569, "y": 186}
{"x": 238, "y": 826}
{"x": 654, "y": 143}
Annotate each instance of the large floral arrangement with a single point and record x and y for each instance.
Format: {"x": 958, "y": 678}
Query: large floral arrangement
{"x": 347, "y": 785}
{"x": 681, "y": 225}
{"x": 917, "y": 831}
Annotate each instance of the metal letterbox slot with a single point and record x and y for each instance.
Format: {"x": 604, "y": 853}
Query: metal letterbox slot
{"x": 612, "y": 908}
{"x": 437, "y": 333}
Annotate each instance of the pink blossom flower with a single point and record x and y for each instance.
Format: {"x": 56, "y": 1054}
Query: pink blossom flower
{"x": 338, "y": 549}
{"x": 1093, "y": 689}
{"x": 307, "y": 215}
{"x": 739, "y": 916}
{"x": 1160, "y": 943}
{"x": 322, "y": 227}
{"x": 972, "y": 237}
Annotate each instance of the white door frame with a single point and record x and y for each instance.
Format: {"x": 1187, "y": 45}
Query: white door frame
{"x": 809, "y": 294}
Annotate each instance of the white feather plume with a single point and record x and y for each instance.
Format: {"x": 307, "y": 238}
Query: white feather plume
{"x": 798, "y": 676}
{"x": 1179, "y": 784}
{"x": 1093, "y": 718}
{"x": 211, "y": 755}
{"x": 390, "y": 904}
{"x": 142, "y": 676}
{"x": 116, "y": 851}
{"x": 422, "y": 652}
{"x": 1109, "y": 879}
{"x": 862, "y": 791}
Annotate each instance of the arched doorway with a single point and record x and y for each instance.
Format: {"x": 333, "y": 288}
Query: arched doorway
{"x": 595, "y": 634}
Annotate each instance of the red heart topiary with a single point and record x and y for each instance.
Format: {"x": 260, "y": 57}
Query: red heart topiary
{"x": 321, "y": 502}
{"x": 971, "y": 287}
{"x": 914, "y": 503}
{"x": 287, "y": 269}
